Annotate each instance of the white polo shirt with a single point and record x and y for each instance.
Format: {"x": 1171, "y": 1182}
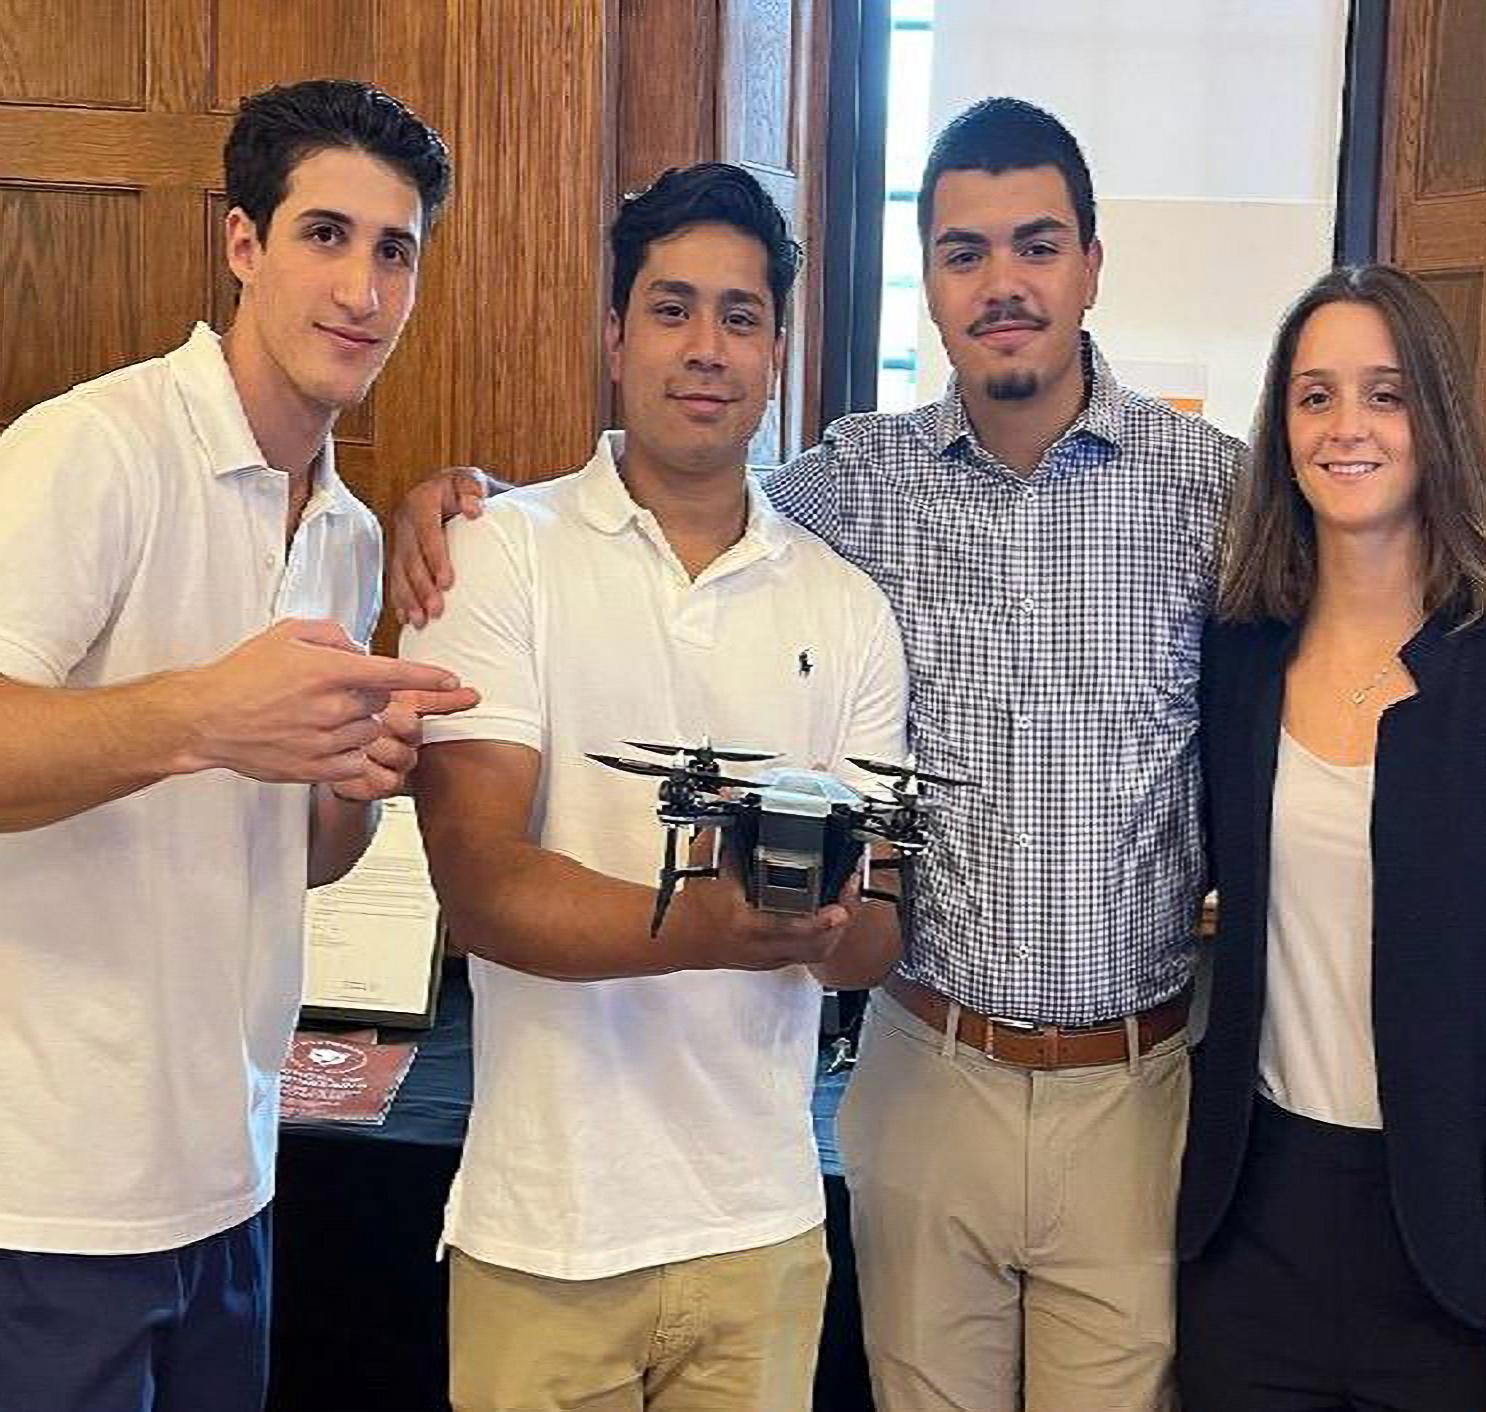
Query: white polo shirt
{"x": 626, "y": 1123}
{"x": 150, "y": 947}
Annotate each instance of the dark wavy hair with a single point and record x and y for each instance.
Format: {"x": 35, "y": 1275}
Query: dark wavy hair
{"x": 688, "y": 196}
{"x": 1269, "y": 553}
{"x": 1002, "y": 135}
{"x": 277, "y": 129}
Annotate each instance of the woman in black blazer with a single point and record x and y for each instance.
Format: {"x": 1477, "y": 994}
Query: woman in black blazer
{"x": 1332, "y": 1222}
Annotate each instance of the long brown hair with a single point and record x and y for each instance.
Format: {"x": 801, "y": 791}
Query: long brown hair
{"x": 1269, "y": 551}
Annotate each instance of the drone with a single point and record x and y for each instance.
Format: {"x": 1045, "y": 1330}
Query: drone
{"x": 796, "y": 836}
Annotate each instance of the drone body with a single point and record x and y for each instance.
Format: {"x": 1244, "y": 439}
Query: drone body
{"x": 796, "y": 836}
{"x": 797, "y": 848}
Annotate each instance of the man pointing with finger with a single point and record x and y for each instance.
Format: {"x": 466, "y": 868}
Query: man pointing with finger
{"x": 189, "y": 732}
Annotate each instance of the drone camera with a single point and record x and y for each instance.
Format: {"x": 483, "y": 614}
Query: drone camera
{"x": 788, "y": 855}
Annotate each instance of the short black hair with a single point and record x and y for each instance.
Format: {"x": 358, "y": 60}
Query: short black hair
{"x": 277, "y": 129}
{"x": 1008, "y": 134}
{"x": 688, "y": 196}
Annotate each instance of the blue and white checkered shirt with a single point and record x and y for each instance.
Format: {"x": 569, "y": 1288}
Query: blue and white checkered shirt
{"x": 1053, "y": 627}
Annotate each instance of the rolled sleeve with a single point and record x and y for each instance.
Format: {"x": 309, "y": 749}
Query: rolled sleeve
{"x": 486, "y": 634}
{"x": 66, "y": 539}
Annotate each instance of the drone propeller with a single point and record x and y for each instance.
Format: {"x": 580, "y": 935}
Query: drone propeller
{"x": 919, "y": 803}
{"x": 704, "y": 752}
{"x": 905, "y": 772}
{"x": 705, "y": 779}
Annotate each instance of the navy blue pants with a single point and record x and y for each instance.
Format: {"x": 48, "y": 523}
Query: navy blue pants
{"x": 1305, "y": 1300}
{"x": 176, "y": 1331}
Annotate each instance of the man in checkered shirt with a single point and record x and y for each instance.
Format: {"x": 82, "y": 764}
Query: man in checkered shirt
{"x": 1048, "y": 541}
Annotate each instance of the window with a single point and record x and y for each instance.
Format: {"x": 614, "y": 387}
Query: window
{"x": 910, "y": 63}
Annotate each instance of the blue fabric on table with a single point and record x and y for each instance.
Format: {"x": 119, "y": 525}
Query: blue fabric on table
{"x": 432, "y": 1106}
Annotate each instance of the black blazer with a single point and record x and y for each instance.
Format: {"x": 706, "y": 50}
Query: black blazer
{"x": 1429, "y": 942}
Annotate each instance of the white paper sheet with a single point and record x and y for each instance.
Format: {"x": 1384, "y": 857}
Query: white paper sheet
{"x": 370, "y": 938}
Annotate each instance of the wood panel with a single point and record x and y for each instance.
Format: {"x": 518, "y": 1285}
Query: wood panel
{"x": 257, "y": 45}
{"x": 1432, "y": 216}
{"x": 671, "y": 123}
{"x": 760, "y": 80}
{"x": 135, "y": 149}
{"x": 1459, "y": 295}
{"x": 174, "y": 275}
{"x": 71, "y": 278}
{"x": 1453, "y": 153}
{"x": 72, "y": 51}
{"x": 530, "y": 246}
{"x": 179, "y": 60}
{"x": 774, "y": 64}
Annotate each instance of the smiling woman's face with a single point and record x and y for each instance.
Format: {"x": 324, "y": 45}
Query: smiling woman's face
{"x": 1347, "y": 415}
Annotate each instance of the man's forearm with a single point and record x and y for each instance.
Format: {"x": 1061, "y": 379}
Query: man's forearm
{"x": 340, "y": 830}
{"x": 543, "y": 913}
{"x": 65, "y": 750}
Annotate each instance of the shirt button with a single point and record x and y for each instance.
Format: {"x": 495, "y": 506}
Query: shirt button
{"x": 1023, "y": 722}
{"x": 1024, "y": 840}
{"x": 270, "y": 561}
{"x": 1027, "y": 604}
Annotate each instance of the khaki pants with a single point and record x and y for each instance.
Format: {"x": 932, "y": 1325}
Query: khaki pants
{"x": 725, "y": 1333}
{"x": 1013, "y": 1228}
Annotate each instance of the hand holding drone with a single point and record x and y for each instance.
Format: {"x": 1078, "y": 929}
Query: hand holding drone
{"x": 795, "y": 835}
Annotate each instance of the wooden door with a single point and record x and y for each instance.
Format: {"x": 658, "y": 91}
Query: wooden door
{"x": 112, "y": 118}
{"x": 775, "y": 60}
{"x": 1432, "y": 218}
{"x": 745, "y": 82}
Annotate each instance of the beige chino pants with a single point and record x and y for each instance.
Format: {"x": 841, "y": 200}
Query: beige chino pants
{"x": 724, "y": 1333}
{"x": 1013, "y": 1228}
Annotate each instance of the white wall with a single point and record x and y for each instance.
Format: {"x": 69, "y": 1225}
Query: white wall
{"x": 1212, "y": 130}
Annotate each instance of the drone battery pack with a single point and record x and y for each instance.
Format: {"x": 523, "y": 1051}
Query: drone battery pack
{"x": 794, "y": 862}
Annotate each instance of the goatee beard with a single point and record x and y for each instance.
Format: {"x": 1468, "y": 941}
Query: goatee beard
{"x": 1012, "y": 387}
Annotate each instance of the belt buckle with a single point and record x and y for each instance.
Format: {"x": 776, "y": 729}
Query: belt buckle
{"x": 1021, "y": 1026}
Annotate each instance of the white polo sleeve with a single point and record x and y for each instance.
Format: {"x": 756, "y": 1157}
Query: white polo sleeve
{"x": 877, "y": 723}
{"x": 487, "y": 632}
{"x": 68, "y": 532}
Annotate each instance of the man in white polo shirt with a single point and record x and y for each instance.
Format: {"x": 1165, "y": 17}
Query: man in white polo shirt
{"x": 189, "y": 731}
{"x": 637, "y": 1219}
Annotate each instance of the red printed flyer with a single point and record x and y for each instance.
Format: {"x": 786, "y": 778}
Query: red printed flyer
{"x": 341, "y": 1078}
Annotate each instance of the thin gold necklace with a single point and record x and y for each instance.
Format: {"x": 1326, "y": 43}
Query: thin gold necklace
{"x": 1360, "y": 695}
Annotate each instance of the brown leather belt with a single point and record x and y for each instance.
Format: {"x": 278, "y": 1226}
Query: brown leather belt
{"x": 1041, "y": 1046}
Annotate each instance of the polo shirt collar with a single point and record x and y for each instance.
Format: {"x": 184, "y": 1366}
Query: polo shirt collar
{"x": 221, "y": 426}
{"x": 605, "y": 502}
{"x": 1102, "y": 415}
